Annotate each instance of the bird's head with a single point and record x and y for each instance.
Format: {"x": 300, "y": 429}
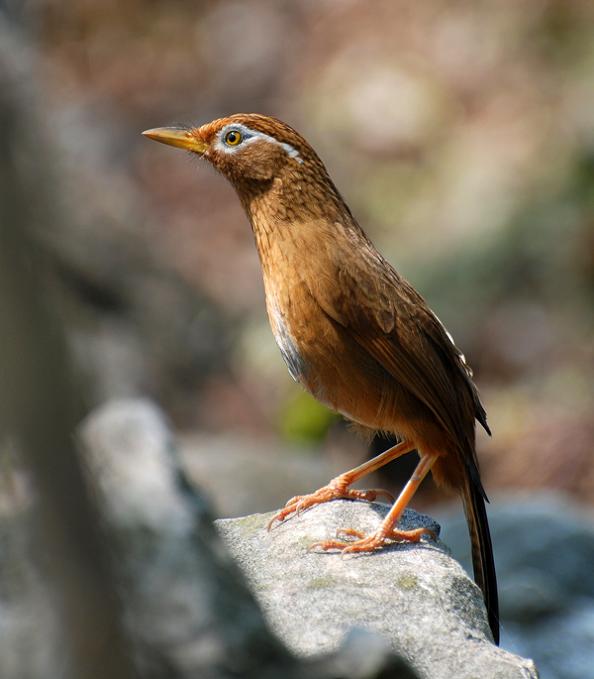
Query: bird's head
{"x": 277, "y": 174}
{"x": 244, "y": 147}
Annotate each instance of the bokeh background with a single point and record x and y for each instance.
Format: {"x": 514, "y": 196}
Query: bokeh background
{"x": 462, "y": 136}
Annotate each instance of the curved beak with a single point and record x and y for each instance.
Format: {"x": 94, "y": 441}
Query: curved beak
{"x": 183, "y": 139}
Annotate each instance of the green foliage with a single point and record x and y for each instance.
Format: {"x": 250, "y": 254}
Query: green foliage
{"x": 305, "y": 420}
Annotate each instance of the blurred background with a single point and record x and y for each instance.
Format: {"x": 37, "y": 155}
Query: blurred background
{"x": 462, "y": 136}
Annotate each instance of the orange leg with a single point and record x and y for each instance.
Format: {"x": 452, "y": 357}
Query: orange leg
{"x": 387, "y": 532}
{"x": 339, "y": 486}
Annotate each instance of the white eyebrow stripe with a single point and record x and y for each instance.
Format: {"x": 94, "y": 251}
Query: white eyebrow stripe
{"x": 249, "y": 136}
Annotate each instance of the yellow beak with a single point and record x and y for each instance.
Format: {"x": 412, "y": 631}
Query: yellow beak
{"x": 183, "y": 139}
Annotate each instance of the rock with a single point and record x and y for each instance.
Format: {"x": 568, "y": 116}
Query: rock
{"x": 31, "y": 640}
{"x": 187, "y": 602}
{"x": 183, "y": 597}
{"x": 544, "y": 551}
{"x": 416, "y": 597}
{"x": 187, "y": 607}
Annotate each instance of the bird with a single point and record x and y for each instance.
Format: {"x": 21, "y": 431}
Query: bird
{"x": 352, "y": 331}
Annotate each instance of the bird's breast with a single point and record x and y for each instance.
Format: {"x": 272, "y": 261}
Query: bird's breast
{"x": 322, "y": 356}
{"x": 285, "y": 341}
{"x": 320, "y": 353}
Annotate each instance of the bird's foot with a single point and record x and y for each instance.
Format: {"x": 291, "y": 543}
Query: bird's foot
{"x": 336, "y": 489}
{"x": 373, "y": 542}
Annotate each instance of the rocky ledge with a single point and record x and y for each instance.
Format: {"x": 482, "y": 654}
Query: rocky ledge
{"x": 415, "y": 597}
{"x": 241, "y": 601}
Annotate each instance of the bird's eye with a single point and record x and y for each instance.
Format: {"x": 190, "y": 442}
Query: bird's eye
{"x": 233, "y": 138}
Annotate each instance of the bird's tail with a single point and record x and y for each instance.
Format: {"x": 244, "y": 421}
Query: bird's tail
{"x": 482, "y": 550}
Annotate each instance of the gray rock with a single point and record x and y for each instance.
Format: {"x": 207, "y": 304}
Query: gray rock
{"x": 416, "y": 597}
{"x": 183, "y": 598}
{"x": 187, "y": 606}
{"x": 544, "y": 551}
{"x": 31, "y": 641}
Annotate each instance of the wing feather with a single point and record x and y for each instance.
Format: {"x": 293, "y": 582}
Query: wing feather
{"x": 393, "y": 323}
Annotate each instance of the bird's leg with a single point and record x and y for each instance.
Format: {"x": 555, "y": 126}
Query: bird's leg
{"x": 339, "y": 486}
{"x": 387, "y": 532}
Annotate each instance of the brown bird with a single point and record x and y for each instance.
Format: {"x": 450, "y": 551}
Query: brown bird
{"x": 352, "y": 331}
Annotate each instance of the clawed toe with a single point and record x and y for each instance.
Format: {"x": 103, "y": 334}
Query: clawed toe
{"x": 350, "y": 532}
{"x": 369, "y": 495}
{"x": 370, "y": 543}
{"x": 300, "y": 503}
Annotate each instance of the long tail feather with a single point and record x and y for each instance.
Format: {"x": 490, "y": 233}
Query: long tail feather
{"x": 482, "y": 552}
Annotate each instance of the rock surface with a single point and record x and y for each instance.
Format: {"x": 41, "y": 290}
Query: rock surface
{"x": 544, "y": 564}
{"x": 415, "y": 596}
{"x": 188, "y": 608}
{"x": 407, "y": 612}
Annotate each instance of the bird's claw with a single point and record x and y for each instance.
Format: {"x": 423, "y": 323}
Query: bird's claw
{"x": 370, "y": 543}
{"x": 300, "y": 503}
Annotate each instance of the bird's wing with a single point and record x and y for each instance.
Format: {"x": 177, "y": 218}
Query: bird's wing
{"x": 393, "y": 323}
